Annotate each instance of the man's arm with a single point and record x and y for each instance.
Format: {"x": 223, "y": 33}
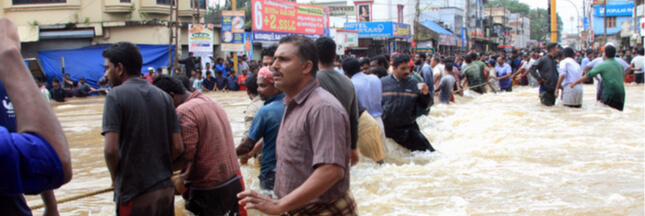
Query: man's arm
{"x": 204, "y": 88}
{"x": 323, "y": 177}
{"x": 49, "y": 199}
{"x": 111, "y": 152}
{"x": 33, "y": 113}
{"x": 177, "y": 146}
{"x": 353, "y": 129}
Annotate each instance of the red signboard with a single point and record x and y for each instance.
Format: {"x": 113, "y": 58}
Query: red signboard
{"x": 289, "y": 17}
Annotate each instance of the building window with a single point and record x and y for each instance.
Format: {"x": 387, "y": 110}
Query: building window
{"x": 611, "y": 22}
{"x": 125, "y": 1}
{"x": 202, "y": 4}
{"x": 37, "y": 1}
{"x": 165, "y": 2}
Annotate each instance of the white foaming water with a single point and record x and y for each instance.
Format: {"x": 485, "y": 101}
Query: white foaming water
{"x": 497, "y": 154}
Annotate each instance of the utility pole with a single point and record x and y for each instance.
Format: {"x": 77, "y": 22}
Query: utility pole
{"x": 173, "y": 28}
{"x": 416, "y": 20}
{"x": 554, "y": 23}
{"x": 234, "y": 53}
{"x": 468, "y": 24}
{"x": 604, "y": 18}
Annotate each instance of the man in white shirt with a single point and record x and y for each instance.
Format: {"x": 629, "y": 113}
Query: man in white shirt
{"x": 569, "y": 71}
{"x": 532, "y": 58}
{"x": 438, "y": 69}
{"x": 638, "y": 65}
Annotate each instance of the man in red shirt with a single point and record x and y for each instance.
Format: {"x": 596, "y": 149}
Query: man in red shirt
{"x": 208, "y": 165}
{"x": 241, "y": 79}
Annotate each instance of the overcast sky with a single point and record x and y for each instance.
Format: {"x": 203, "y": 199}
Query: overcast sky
{"x": 565, "y": 9}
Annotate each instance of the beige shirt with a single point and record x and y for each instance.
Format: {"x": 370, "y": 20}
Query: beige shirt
{"x": 250, "y": 111}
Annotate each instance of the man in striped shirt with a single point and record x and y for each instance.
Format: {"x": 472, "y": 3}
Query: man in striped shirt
{"x": 208, "y": 165}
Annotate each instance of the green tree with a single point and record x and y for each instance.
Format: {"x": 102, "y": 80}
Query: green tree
{"x": 539, "y": 17}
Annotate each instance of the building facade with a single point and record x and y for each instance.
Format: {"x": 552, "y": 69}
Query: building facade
{"x": 69, "y": 24}
{"x": 616, "y": 12}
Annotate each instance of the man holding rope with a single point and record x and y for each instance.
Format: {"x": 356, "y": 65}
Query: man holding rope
{"x": 142, "y": 136}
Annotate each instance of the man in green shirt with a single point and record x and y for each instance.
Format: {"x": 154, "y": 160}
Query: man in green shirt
{"x": 472, "y": 75}
{"x": 612, "y": 75}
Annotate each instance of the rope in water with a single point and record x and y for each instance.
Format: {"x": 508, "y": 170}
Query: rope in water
{"x": 469, "y": 87}
{"x": 68, "y": 199}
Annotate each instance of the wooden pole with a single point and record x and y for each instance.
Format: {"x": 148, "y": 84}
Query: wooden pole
{"x": 554, "y": 23}
{"x": 235, "y": 53}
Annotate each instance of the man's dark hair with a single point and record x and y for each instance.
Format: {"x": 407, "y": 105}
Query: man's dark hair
{"x": 468, "y": 59}
{"x": 326, "y": 50}
{"x": 251, "y": 83}
{"x": 610, "y": 51}
{"x": 208, "y": 73}
{"x": 387, "y": 58}
{"x": 641, "y": 51}
{"x": 568, "y": 52}
{"x": 351, "y": 66}
{"x": 474, "y": 56}
{"x": 550, "y": 46}
{"x": 127, "y": 54}
{"x": 381, "y": 60}
{"x": 185, "y": 81}
{"x": 306, "y": 50}
{"x": 159, "y": 70}
{"x": 400, "y": 59}
{"x": 190, "y": 53}
{"x": 269, "y": 51}
{"x": 169, "y": 84}
{"x": 422, "y": 55}
{"x": 379, "y": 71}
{"x": 589, "y": 52}
{"x": 55, "y": 80}
{"x": 448, "y": 65}
{"x": 218, "y": 60}
{"x": 364, "y": 61}
{"x": 218, "y": 72}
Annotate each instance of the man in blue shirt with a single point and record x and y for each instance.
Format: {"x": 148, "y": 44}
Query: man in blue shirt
{"x": 368, "y": 89}
{"x": 221, "y": 66}
{"x": 265, "y": 126}
{"x": 34, "y": 154}
{"x": 504, "y": 73}
{"x": 221, "y": 83}
{"x": 232, "y": 82}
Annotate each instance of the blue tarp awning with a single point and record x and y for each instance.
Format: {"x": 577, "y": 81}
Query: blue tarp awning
{"x": 88, "y": 62}
{"x": 435, "y": 27}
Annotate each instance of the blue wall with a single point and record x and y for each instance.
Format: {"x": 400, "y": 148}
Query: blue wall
{"x": 598, "y": 28}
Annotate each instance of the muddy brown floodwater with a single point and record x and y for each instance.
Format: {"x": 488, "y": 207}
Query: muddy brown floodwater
{"x": 502, "y": 154}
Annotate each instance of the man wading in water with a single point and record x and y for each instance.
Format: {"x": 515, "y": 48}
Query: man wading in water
{"x": 142, "y": 136}
{"x": 209, "y": 167}
{"x": 313, "y": 145}
{"x": 401, "y": 95}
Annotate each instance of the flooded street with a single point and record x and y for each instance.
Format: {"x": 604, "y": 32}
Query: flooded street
{"x": 497, "y": 155}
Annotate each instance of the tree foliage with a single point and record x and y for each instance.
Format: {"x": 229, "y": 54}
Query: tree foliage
{"x": 539, "y": 17}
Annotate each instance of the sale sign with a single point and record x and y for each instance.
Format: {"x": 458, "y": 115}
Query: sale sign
{"x": 274, "y": 19}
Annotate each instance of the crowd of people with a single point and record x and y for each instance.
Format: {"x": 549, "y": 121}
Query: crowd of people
{"x": 311, "y": 114}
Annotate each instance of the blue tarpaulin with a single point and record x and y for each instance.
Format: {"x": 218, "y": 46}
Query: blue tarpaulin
{"x": 89, "y": 63}
{"x": 435, "y": 27}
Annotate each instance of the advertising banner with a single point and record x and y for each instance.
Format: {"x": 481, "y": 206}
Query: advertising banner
{"x": 233, "y": 31}
{"x": 342, "y": 10}
{"x": 200, "y": 39}
{"x": 274, "y": 19}
{"x": 391, "y": 46}
{"x": 586, "y": 24}
{"x": 248, "y": 45}
{"x": 464, "y": 37}
{"x": 615, "y": 10}
{"x": 364, "y": 12}
{"x": 379, "y": 29}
